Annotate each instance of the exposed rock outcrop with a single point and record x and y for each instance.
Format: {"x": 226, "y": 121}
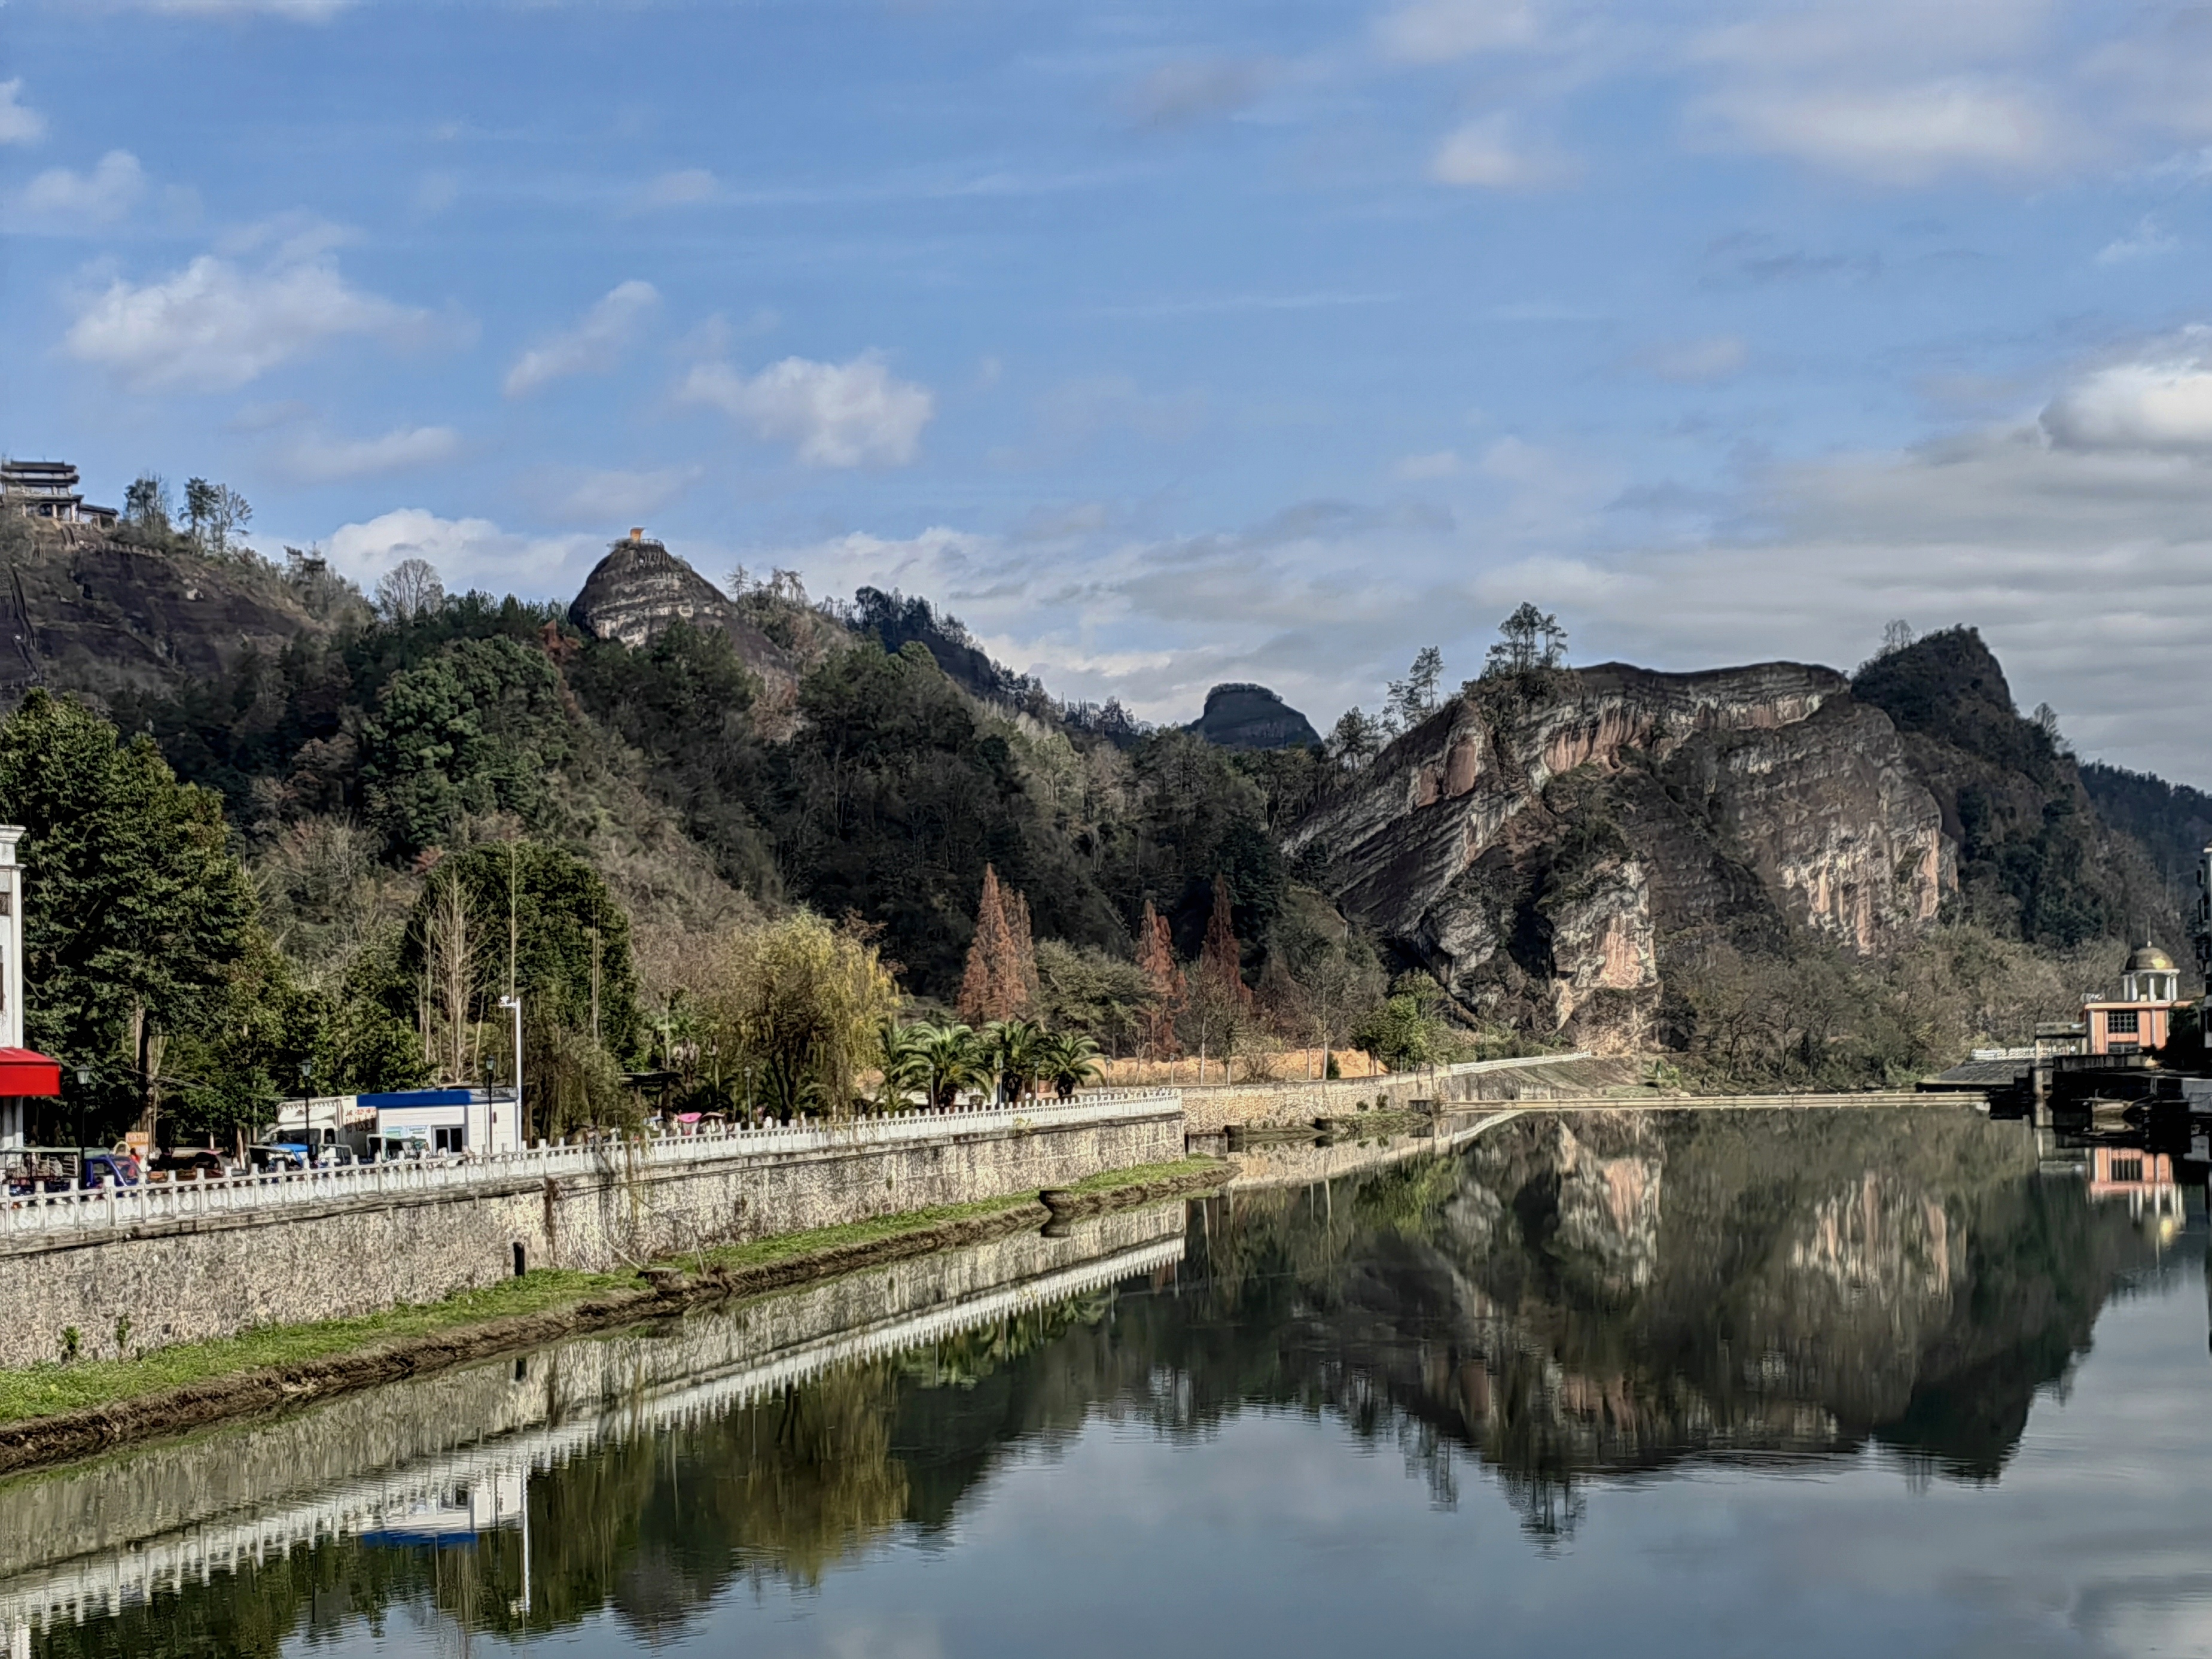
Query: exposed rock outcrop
{"x": 1537, "y": 840}
{"x": 640, "y": 589}
{"x": 1239, "y": 716}
{"x": 83, "y": 610}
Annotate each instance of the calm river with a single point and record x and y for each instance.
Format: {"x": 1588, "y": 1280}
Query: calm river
{"x": 1881, "y": 1381}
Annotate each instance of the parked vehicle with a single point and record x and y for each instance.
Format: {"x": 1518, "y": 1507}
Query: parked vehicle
{"x": 31, "y": 1169}
{"x": 277, "y": 1158}
{"x": 189, "y": 1163}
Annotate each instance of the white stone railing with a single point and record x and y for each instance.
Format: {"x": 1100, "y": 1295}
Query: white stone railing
{"x": 109, "y": 1207}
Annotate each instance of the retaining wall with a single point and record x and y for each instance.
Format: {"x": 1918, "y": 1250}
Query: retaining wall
{"x": 1263, "y": 1105}
{"x": 142, "y": 1271}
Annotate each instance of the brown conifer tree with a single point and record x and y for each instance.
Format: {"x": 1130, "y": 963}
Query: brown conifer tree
{"x": 1155, "y": 955}
{"x": 1000, "y": 981}
{"x": 1023, "y": 986}
{"x": 1221, "y": 958}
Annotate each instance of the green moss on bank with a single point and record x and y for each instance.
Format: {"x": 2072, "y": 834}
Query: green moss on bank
{"x": 44, "y": 1390}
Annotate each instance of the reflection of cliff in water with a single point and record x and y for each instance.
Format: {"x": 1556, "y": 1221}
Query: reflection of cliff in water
{"x": 1571, "y": 1296}
{"x": 1618, "y": 1291}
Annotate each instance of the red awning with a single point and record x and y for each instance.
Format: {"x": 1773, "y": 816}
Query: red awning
{"x": 24, "y": 1072}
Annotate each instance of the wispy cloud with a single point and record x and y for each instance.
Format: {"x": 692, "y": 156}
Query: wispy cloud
{"x": 594, "y": 345}
{"x": 19, "y": 125}
{"x": 1488, "y": 154}
{"x": 685, "y": 187}
{"x": 2148, "y": 238}
{"x": 62, "y": 199}
{"x": 320, "y": 459}
{"x": 1185, "y": 90}
{"x": 1714, "y": 357}
{"x": 834, "y": 415}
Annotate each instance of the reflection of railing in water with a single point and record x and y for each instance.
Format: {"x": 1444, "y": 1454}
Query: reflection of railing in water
{"x": 1303, "y": 1163}
{"x": 487, "y": 1481}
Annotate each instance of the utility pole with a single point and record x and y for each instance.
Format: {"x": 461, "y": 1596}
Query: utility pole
{"x": 594, "y": 933}
{"x": 521, "y": 1122}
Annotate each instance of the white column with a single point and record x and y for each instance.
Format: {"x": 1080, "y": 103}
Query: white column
{"x": 11, "y": 972}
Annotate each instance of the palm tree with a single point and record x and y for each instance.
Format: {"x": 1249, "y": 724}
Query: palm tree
{"x": 949, "y": 1060}
{"x": 1012, "y": 1046}
{"x": 900, "y": 1053}
{"x": 1067, "y": 1061}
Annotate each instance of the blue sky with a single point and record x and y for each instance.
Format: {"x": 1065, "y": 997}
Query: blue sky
{"x": 1172, "y": 344}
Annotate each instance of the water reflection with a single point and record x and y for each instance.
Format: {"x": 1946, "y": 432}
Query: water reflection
{"x": 1569, "y": 1299}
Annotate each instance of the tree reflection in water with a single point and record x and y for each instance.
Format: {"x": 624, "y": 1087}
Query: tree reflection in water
{"x": 1573, "y": 1297}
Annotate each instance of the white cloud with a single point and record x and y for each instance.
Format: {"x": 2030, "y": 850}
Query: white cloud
{"x": 594, "y": 346}
{"x": 1485, "y": 154}
{"x": 851, "y": 414}
{"x": 213, "y": 326}
{"x": 62, "y": 199}
{"x": 1715, "y": 357}
{"x": 2148, "y": 238}
{"x": 18, "y": 125}
{"x": 320, "y": 459}
{"x": 2160, "y": 404}
{"x": 467, "y": 552}
{"x": 1894, "y": 134}
{"x": 1441, "y": 464}
{"x": 686, "y": 187}
{"x": 1436, "y": 31}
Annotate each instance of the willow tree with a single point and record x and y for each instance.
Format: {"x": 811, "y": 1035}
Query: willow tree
{"x": 803, "y": 1004}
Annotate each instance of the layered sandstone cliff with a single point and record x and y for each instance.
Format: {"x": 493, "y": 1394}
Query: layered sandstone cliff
{"x": 640, "y": 589}
{"x": 1539, "y": 843}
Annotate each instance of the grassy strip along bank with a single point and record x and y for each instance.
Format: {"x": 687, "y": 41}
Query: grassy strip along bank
{"x": 50, "y": 1413}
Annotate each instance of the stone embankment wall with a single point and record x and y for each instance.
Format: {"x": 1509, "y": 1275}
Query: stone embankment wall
{"x": 1283, "y": 1105}
{"x": 126, "y": 1288}
{"x": 126, "y": 1527}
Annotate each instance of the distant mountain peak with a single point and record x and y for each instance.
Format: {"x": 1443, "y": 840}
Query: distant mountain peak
{"x": 1241, "y": 715}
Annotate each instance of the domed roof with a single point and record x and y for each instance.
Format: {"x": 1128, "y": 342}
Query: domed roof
{"x": 2149, "y": 959}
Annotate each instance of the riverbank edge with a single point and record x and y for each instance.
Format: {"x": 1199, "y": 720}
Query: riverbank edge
{"x": 715, "y": 1275}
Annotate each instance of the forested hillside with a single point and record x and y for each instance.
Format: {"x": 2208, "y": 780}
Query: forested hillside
{"x": 429, "y": 801}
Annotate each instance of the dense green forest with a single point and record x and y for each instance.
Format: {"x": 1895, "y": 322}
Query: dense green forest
{"x": 394, "y": 821}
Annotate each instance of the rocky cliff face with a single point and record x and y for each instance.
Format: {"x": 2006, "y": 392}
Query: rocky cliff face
{"x": 640, "y": 589}
{"x": 83, "y": 611}
{"x": 1539, "y": 843}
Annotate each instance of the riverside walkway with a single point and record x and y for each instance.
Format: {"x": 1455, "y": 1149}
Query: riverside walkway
{"x": 111, "y": 1208}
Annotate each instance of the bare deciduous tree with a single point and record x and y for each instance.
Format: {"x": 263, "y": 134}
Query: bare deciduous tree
{"x": 410, "y": 589}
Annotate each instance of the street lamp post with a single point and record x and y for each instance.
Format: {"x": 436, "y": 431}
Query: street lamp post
{"x": 521, "y": 1123}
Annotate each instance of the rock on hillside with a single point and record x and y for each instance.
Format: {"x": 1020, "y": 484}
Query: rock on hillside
{"x": 1252, "y": 717}
{"x": 1540, "y": 842}
{"x": 640, "y": 589}
{"x": 88, "y": 612}
{"x": 2035, "y": 857}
